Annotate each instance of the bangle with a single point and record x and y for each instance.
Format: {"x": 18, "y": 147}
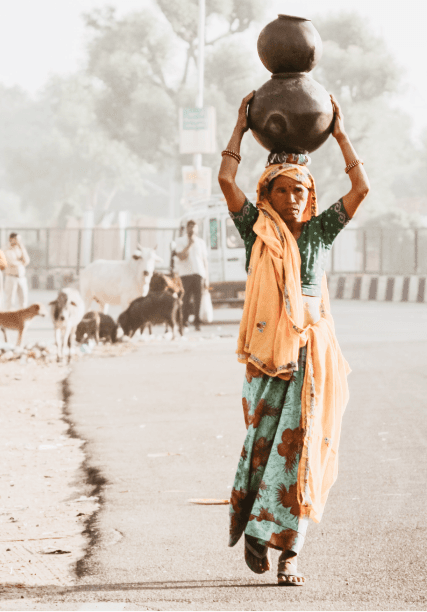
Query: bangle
{"x": 352, "y": 164}
{"x": 236, "y": 156}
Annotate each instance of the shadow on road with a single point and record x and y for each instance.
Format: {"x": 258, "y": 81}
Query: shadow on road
{"x": 12, "y": 591}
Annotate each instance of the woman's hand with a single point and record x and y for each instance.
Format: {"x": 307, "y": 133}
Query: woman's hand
{"x": 242, "y": 119}
{"x": 339, "y": 129}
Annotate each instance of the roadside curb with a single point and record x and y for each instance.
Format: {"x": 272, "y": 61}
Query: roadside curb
{"x": 362, "y": 287}
{"x": 93, "y": 479}
{"x": 376, "y": 287}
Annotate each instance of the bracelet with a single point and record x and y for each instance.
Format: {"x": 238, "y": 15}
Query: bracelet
{"x": 236, "y": 156}
{"x": 352, "y": 164}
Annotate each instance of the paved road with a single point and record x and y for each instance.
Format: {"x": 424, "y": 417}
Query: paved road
{"x": 164, "y": 425}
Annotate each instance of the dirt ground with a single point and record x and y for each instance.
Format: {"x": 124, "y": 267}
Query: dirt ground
{"x": 47, "y": 492}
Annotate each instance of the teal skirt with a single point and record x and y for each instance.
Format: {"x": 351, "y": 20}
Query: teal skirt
{"x": 263, "y": 501}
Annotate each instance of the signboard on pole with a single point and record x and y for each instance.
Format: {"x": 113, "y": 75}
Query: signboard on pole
{"x": 197, "y": 184}
{"x": 197, "y": 130}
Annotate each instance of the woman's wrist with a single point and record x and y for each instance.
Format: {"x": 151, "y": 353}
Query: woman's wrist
{"x": 239, "y": 131}
{"x": 342, "y": 138}
{"x": 235, "y": 140}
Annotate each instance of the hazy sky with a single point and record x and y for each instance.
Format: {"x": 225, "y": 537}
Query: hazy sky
{"x": 39, "y": 38}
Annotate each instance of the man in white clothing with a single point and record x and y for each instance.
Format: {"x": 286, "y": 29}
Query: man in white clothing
{"x": 15, "y": 280}
{"x": 192, "y": 267}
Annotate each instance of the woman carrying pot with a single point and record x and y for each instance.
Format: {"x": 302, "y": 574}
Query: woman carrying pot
{"x": 295, "y": 388}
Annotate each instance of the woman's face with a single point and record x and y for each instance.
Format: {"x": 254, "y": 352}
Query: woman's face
{"x": 192, "y": 229}
{"x": 288, "y": 198}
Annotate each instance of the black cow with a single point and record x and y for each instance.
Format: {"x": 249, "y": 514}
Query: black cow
{"x": 155, "y": 308}
{"x": 96, "y": 325}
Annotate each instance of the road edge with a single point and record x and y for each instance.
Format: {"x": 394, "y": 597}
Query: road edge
{"x": 93, "y": 479}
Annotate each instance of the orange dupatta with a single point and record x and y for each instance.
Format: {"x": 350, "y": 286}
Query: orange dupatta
{"x": 272, "y": 333}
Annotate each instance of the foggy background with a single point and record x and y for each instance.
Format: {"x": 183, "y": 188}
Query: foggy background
{"x": 90, "y": 92}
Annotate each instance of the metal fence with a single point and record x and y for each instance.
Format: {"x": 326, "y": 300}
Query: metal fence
{"x": 380, "y": 251}
{"x": 358, "y": 250}
{"x": 69, "y": 250}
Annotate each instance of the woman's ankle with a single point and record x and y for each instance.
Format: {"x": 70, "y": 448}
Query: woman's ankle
{"x": 288, "y": 555}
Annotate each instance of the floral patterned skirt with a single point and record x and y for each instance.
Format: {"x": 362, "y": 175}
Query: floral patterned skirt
{"x": 263, "y": 501}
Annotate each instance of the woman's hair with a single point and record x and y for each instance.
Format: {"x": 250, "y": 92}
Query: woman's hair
{"x": 270, "y": 185}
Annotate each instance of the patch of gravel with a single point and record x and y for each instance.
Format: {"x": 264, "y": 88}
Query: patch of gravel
{"x": 39, "y": 351}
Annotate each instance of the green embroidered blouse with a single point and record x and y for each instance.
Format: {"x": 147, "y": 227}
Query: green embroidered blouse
{"x": 314, "y": 243}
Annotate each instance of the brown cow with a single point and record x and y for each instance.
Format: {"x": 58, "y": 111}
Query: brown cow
{"x": 167, "y": 282}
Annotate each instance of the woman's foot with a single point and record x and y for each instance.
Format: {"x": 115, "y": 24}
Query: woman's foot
{"x": 256, "y": 556}
{"x": 287, "y": 573}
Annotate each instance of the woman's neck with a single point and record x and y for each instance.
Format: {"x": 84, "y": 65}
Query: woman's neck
{"x": 295, "y": 227}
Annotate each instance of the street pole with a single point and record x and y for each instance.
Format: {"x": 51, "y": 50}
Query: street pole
{"x": 197, "y": 158}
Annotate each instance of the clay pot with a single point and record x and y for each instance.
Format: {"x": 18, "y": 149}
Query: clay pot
{"x": 291, "y": 112}
{"x": 289, "y": 44}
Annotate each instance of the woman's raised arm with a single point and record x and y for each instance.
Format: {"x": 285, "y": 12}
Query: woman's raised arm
{"x": 228, "y": 169}
{"x": 358, "y": 177}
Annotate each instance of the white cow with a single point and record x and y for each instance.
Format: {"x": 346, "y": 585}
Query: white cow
{"x": 67, "y": 311}
{"x": 118, "y": 282}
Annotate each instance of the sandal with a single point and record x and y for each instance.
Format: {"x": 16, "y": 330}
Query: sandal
{"x": 251, "y": 552}
{"x": 287, "y": 573}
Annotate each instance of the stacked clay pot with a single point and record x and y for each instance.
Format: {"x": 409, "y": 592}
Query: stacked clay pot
{"x": 291, "y": 112}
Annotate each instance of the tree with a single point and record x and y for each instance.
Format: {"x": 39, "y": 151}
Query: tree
{"x": 66, "y": 156}
{"x": 22, "y": 123}
{"x": 358, "y": 68}
{"x": 146, "y": 63}
{"x": 100, "y": 131}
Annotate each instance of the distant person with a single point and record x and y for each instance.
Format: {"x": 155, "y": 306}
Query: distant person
{"x": 16, "y": 281}
{"x": 192, "y": 267}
